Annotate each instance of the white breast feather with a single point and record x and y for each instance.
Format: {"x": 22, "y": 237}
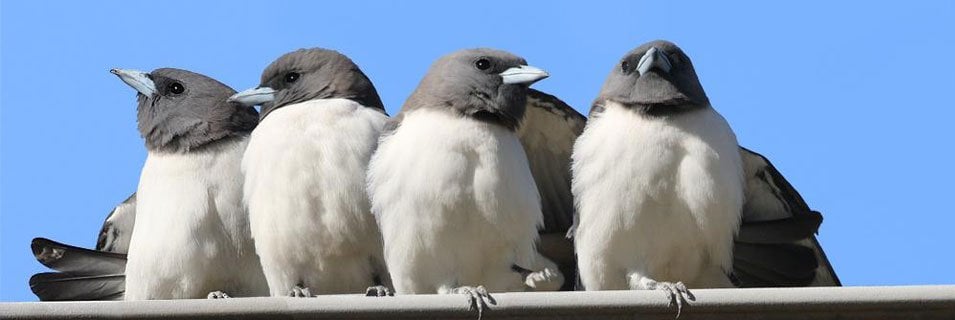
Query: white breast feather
{"x": 656, "y": 196}
{"x": 191, "y": 234}
{"x": 305, "y": 173}
{"x": 456, "y": 203}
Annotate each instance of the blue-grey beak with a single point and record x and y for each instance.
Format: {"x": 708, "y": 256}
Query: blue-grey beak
{"x": 653, "y": 59}
{"x": 137, "y": 79}
{"x": 523, "y": 74}
{"x": 254, "y": 96}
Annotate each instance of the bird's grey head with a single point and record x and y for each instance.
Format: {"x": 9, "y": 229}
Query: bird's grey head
{"x": 180, "y": 110}
{"x": 308, "y": 74}
{"x": 656, "y": 78}
{"x": 484, "y": 84}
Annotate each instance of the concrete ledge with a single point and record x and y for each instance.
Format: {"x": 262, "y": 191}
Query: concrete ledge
{"x": 915, "y": 302}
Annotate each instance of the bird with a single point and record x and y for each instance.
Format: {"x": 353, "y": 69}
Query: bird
{"x": 191, "y": 235}
{"x": 84, "y": 274}
{"x": 305, "y": 175}
{"x": 450, "y": 183}
{"x": 776, "y": 241}
{"x": 664, "y": 193}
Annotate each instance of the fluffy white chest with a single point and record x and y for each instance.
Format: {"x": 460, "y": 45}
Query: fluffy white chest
{"x": 658, "y": 196}
{"x": 191, "y": 233}
{"x": 305, "y": 176}
{"x": 455, "y": 200}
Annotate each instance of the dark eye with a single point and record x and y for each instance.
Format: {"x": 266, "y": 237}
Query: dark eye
{"x": 482, "y": 64}
{"x": 625, "y": 66}
{"x": 291, "y": 77}
{"x": 676, "y": 58}
{"x": 176, "y": 88}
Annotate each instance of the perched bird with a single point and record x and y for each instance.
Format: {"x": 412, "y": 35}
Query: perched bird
{"x": 305, "y": 175}
{"x": 661, "y": 189}
{"x": 658, "y": 180}
{"x": 84, "y": 274}
{"x": 450, "y": 183}
{"x": 191, "y": 233}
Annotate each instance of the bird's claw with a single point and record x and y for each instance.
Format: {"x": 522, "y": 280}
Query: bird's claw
{"x": 677, "y": 293}
{"x": 544, "y": 280}
{"x": 378, "y": 291}
{"x": 299, "y": 292}
{"x": 217, "y": 295}
{"x": 478, "y": 298}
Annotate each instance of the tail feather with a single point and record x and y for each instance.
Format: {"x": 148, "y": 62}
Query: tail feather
{"x": 759, "y": 265}
{"x": 56, "y": 286}
{"x": 75, "y": 260}
{"x": 786, "y": 230}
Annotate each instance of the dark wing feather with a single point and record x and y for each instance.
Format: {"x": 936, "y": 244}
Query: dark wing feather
{"x": 54, "y": 286}
{"x": 118, "y": 227}
{"x": 75, "y": 260}
{"x": 776, "y": 244}
{"x": 548, "y": 132}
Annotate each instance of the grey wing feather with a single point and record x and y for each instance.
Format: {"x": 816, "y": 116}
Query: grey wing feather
{"x": 86, "y": 274}
{"x": 776, "y": 245}
{"x": 54, "y": 286}
{"x": 83, "y": 274}
{"x": 118, "y": 227}
{"x": 67, "y": 258}
{"x": 547, "y": 133}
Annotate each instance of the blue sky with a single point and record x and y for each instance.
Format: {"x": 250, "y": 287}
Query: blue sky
{"x": 850, "y": 100}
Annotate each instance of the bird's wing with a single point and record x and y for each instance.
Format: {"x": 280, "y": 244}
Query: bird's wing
{"x": 547, "y": 133}
{"x": 83, "y": 274}
{"x": 70, "y": 259}
{"x": 118, "y": 227}
{"x": 776, "y": 245}
{"x": 55, "y": 286}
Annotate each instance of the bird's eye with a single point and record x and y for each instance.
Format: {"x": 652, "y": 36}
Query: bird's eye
{"x": 291, "y": 77}
{"x": 482, "y": 64}
{"x": 176, "y": 88}
{"x": 625, "y": 66}
{"x": 676, "y": 58}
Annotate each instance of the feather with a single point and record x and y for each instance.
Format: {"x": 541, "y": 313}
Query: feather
{"x": 75, "y": 260}
{"x": 54, "y": 286}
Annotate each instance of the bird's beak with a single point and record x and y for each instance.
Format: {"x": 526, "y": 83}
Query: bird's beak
{"x": 254, "y": 96}
{"x": 523, "y": 74}
{"x": 137, "y": 79}
{"x": 653, "y": 58}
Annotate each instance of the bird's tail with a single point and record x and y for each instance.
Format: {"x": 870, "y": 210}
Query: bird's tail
{"x": 82, "y": 274}
{"x": 780, "y": 253}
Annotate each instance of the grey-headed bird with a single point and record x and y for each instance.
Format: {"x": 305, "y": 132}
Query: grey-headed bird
{"x": 662, "y": 188}
{"x": 450, "y": 183}
{"x": 191, "y": 233}
{"x": 658, "y": 180}
{"x": 305, "y": 175}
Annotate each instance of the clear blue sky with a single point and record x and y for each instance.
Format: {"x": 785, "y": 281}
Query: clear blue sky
{"x": 851, "y": 101}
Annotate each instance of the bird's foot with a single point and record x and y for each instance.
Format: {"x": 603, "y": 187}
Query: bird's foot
{"x": 299, "y": 291}
{"x": 544, "y": 280}
{"x": 478, "y": 298}
{"x": 677, "y": 293}
{"x": 217, "y": 295}
{"x": 378, "y": 291}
